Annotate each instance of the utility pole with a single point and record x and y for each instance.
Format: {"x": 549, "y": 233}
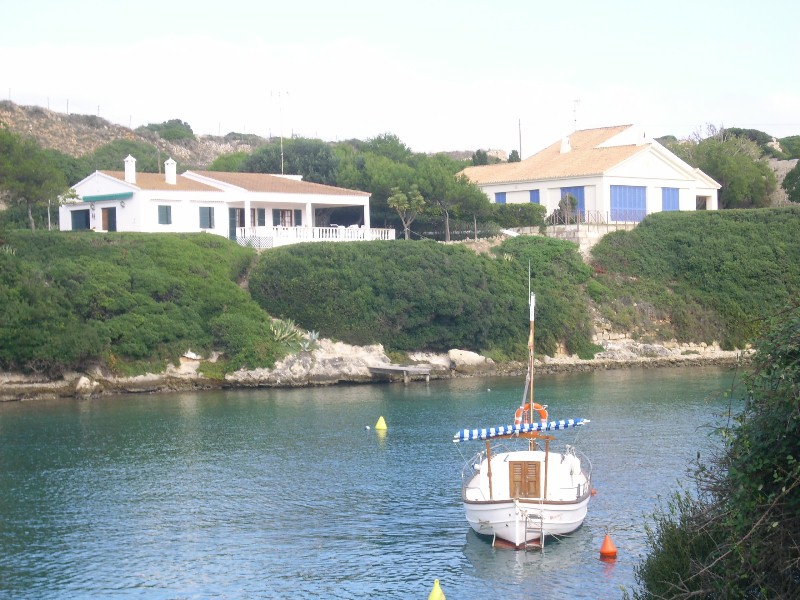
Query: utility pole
{"x": 519, "y": 125}
{"x": 575, "y": 113}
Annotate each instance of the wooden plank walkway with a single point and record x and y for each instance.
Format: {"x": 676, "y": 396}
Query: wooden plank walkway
{"x": 408, "y": 372}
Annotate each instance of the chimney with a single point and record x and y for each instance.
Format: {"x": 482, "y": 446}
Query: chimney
{"x": 169, "y": 171}
{"x": 565, "y": 147}
{"x": 130, "y": 169}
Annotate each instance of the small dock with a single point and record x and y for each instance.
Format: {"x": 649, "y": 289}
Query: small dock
{"x": 408, "y": 372}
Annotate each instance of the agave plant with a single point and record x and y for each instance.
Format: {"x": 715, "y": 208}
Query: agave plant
{"x": 285, "y": 331}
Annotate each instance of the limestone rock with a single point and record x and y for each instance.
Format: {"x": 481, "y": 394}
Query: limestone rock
{"x": 464, "y": 361}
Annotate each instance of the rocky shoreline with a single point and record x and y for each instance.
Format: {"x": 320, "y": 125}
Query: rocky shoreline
{"x": 336, "y": 363}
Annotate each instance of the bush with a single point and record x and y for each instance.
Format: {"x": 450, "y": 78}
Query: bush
{"x": 428, "y": 296}
{"x": 713, "y": 275}
{"x": 738, "y": 537}
{"x": 68, "y": 299}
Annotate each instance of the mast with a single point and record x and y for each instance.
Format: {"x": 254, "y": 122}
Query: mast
{"x": 530, "y": 351}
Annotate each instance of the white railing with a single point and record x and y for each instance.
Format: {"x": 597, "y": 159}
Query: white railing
{"x": 271, "y": 237}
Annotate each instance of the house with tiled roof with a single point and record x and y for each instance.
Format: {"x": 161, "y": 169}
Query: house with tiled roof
{"x": 254, "y": 209}
{"x": 616, "y": 175}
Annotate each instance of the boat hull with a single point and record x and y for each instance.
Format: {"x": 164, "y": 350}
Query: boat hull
{"x": 521, "y": 522}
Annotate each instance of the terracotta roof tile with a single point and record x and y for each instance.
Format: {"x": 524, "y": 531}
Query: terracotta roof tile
{"x": 586, "y": 157}
{"x": 262, "y": 182}
{"x": 157, "y": 181}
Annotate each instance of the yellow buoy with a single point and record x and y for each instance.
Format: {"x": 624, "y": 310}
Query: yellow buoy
{"x": 436, "y": 592}
{"x": 381, "y": 424}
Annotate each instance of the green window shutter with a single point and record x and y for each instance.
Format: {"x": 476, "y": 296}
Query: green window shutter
{"x": 261, "y": 217}
{"x": 276, "y": 217}
{"x": 165, "y": 215}
{"x": 206, "y": 217}
{"x": 298, "y": 218}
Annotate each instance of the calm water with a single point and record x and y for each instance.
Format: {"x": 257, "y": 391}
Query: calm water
{"x": 286, "y": 494}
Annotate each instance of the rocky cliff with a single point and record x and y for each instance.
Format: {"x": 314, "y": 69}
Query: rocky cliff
{"x": 77, "y": 135}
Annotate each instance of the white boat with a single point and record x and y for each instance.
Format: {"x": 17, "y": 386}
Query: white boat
{"x": 521, "y": 495}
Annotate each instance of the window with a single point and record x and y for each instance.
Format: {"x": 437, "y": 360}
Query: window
{"x": 628, "y": 203}
{"x": 206, "y": 217}
{"x": 282, "y": 217}
{"x": 258, "y": 217}
{"x": 669, "y": 199}
{"x": 164, "y": 215}
{"x": 534, "y": 197}
{"x": 500, "y": 198}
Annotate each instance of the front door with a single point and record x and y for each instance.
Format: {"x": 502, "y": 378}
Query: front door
{"x": 109, "y": 219}
{"x": 235, "y": 219}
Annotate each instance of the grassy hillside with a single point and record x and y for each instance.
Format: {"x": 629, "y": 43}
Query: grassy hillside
{"x": 128, "y": 300}
{"x": 424, "y": 295}
{"x": 701, "y": 276}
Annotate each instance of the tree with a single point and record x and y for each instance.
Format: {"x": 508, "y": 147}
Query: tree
{"x": 480, "y": 157}
{"x": 408, "y": 205}
{"x": 514, "y": 157}
{"x": 173, "y": 130}
{"x": 111, "y": 157}
{"x": 737, "y": 163}
{"x": 229, "y": 162}
{"x": 26, "y": 175}
{"x": 791, "y": 183}
{"x": 313, "y": 159}
{"x": 389, "y": 146}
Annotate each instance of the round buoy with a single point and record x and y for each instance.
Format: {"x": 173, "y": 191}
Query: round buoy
{"x": 608, "y": 551}
{"x": 436, "y": 592}
{"x": 381, "y": 424}
{"x": 366, "y": 427}
{"x": 594, "y": 492}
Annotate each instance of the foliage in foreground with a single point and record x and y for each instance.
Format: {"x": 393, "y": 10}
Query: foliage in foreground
{"x": 700, "y": 276}
{"x": 423, "y": 295}
{"x": 739, "y": 537}
{"x": 68, "y": 300}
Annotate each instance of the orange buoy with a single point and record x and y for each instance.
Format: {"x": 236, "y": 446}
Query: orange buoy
{"x": 608, "y": 551}
{"x": 594, "y": 492}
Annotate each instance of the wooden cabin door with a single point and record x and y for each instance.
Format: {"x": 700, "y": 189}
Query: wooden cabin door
{"x": 523, "y": 479}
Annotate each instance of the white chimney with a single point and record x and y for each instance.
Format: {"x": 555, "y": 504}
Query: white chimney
{"x": 565, "y": 147}
{"x": 170, "y": 172}
{"x": 130, "y": 169}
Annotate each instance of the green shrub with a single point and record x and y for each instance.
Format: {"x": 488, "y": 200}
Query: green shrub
{"x": 68, "y": 299}
{"x": 428, "y": 296}
{"x": 714, "y": 275}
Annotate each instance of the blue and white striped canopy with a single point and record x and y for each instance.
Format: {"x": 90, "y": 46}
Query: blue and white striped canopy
{"x": 507, "y": 430}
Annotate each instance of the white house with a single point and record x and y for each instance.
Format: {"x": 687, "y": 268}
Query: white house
{"x": 616, "y": 174}
{"x": 254, "y": 209}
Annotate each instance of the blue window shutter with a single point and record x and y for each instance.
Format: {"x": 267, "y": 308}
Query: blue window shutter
{"x": 276, "y": 217}
{"x": 669, "y": 199}
{"x": 500, "y": 198}
{"x": 628, "y": 203}
{"x": 298, "y": 217}
{"x": 535, "y": 197}
{"x": 204, "y": 218}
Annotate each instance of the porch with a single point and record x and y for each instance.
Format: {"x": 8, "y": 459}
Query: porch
{"x": 274, "y": 236}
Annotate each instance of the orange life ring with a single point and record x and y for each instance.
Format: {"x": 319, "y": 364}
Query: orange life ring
{"x": 525, "y": 408}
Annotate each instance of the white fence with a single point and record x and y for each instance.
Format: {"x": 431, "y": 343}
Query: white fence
{"x": 272, "y": 237}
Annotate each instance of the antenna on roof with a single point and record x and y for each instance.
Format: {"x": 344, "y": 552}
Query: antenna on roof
{"x": 280, "y": 123}
{"x": 575, "y": 112}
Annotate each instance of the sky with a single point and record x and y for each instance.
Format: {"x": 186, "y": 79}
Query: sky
{"x": 440, "y": 75}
